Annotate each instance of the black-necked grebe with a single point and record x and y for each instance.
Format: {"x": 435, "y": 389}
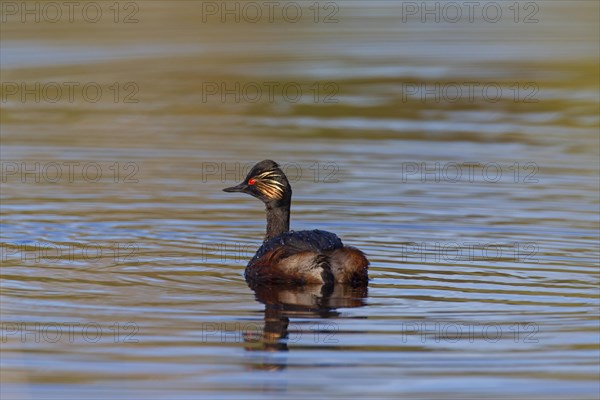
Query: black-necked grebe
{"x": 299, "y": 257}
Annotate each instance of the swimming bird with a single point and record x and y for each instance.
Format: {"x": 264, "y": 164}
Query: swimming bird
{"x": 295, "y": 257}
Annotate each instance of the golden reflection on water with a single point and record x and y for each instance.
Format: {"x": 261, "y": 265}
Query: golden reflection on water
{"x": 152, "y": 253}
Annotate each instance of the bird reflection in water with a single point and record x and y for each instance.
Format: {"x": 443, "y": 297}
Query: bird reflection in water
{"x": 285, "y": 302}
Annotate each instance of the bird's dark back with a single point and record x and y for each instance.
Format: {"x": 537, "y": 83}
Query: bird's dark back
{"x": 293, "y": 242}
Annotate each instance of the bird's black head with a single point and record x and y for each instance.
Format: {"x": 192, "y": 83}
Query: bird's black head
{"x": 267, "y": 182}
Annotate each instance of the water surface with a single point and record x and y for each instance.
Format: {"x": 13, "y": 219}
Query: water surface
{"x": 123, "y": 276}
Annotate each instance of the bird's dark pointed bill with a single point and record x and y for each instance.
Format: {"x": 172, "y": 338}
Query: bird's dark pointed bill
{"x": 238, "y": 188}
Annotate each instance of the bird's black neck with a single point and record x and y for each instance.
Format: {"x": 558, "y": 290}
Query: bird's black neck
{"x": 278, "y": 219}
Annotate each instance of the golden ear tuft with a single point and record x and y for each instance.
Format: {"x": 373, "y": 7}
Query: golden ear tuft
{"x": 268, "y": 186}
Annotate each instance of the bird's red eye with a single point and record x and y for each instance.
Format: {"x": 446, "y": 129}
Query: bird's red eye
{"x": 251, "y": 181}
